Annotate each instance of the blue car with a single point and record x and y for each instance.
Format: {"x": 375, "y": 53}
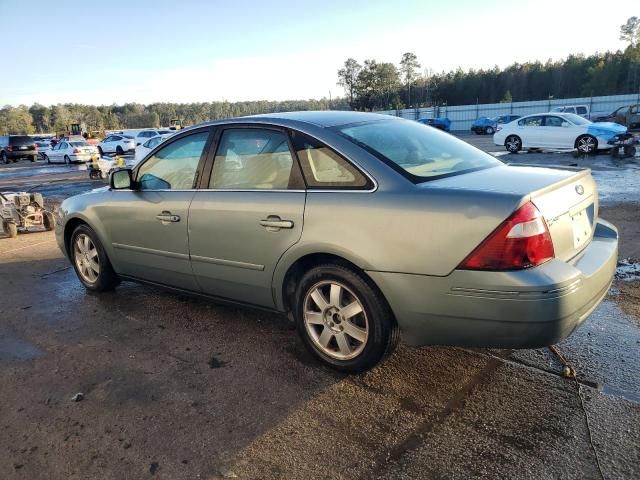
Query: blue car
{"x": 486, "y": 125}
{"x": 443, "y": 123}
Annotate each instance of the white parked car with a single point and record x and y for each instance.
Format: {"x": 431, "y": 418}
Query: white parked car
{"x": 144, "y": 135}
{"x": 44, "y": 147}
{"x": 582, "y": 110}
{"x": 119, "y": 144}
{"x": 556, "y": 131}
{"x": 146, "y": 147}
{"x": 67, "y": 151}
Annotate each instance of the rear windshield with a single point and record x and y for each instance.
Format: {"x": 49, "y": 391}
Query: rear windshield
{"x": 21, "y": 140}
{"x": 79, "y": 144}
{"x": 417, "y": 151}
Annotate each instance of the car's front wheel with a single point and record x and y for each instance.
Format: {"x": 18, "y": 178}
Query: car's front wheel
{"x": 90, "y": 261}
{"x": 586, "y": 144}
{"x": 343, "y": 320}
{"x": 513, "y": 144}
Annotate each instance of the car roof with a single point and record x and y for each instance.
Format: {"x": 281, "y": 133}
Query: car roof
{"x": 324, "y": 118}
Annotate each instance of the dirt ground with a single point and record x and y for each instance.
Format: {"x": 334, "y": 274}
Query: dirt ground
{"x": 179, "y": 388}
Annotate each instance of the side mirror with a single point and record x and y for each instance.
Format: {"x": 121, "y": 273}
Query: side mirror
{"x": 121, "y": 179}
{"x": 565, "y": 124}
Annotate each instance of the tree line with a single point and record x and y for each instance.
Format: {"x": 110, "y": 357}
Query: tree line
{"x": 58, "y": 118}
{"x": 375, "y": 85}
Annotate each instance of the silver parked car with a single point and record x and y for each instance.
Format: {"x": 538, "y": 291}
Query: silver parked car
{"x": 359, "y": 226}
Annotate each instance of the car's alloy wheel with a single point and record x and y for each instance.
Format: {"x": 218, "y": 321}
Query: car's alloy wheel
{"x": 586, "y": 144}
{"x": 513, "y": 144}
{"x": 85, "y": 255}
{"x": 343, "y": 318}
{"x": 335, "y": 320}
{"x": 489, "y": 130}
{"x": 67, "y": 160}
{"x": 90, "y": 261}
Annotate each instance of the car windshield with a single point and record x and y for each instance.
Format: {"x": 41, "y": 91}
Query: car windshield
{"x": 417, "y": 151}
{"x": 576, "y": 119}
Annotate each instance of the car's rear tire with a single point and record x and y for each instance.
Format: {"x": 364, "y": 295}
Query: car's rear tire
{"x": 513, "y": 144}
{"x": 489, "y": 130}
{"x": 67, "y": 160}
{"x": 343, "y": 319}
{"x": 586, "y": 144}
{"x": 90, "y": 261}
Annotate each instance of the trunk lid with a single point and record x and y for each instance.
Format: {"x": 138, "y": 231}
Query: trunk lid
{"x": 567, "y": 198}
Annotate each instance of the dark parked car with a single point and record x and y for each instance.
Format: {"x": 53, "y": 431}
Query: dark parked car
{"x": 443, "y": 123}
{"x": 15, "y": 147}
{"x": 489, "y": 126}
{"x": 629, "y": 116}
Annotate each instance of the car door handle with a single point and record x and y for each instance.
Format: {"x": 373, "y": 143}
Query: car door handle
{"x": 166, "y": 217}
{"x": 273, "y": 223}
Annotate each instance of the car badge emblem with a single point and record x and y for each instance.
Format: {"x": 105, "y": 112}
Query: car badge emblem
{"x": 579, "y": 189}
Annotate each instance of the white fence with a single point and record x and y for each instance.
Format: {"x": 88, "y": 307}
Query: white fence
{"x": 462, "y": 116}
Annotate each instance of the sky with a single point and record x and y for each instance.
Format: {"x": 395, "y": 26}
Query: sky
{"x": 197, "y": 51}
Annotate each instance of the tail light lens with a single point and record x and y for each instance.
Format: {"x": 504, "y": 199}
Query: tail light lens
{"x": 521, "y": 241}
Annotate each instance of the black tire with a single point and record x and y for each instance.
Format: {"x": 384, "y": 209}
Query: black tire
{"x": 586, "y": 144}
{"x": 513, "y": 144}
{"x": 383, "y": 332}
{"x": 489, "y": 130}
{"x": 107, "y": 278}
{"x": 67, "y": 160}
{"x": 4, "y": 157}
{"x": 10, "y": 229}
{"x": 49, "y": 221}
{"x": 119, "y": 150}
{"x": 100, "y": 152}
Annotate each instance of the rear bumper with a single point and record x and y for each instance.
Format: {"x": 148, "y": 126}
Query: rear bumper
{"x": 22, "y": 154}
{"x": 521, "y": 309}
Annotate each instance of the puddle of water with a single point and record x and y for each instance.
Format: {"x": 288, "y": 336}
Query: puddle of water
{"x": 12, "y": 348}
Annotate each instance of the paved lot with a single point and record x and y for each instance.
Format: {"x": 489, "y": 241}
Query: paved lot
{"x": 177, "y": 388}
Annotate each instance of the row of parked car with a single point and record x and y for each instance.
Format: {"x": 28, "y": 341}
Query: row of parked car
{"x": 74, "y": 149}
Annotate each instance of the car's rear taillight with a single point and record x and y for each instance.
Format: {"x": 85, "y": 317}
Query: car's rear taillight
{"x": 521, "y": 241}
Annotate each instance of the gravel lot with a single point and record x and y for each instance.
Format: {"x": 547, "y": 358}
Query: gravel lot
{"x": 178, "y": 388}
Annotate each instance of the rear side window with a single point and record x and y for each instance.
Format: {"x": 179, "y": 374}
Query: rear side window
{"x": 582, "y": 110}
{"x": 531, "y": 122}
{"x": 324, "y": 168}
{"x": 21, "y": 140}
{"x": 252, "y": 158}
